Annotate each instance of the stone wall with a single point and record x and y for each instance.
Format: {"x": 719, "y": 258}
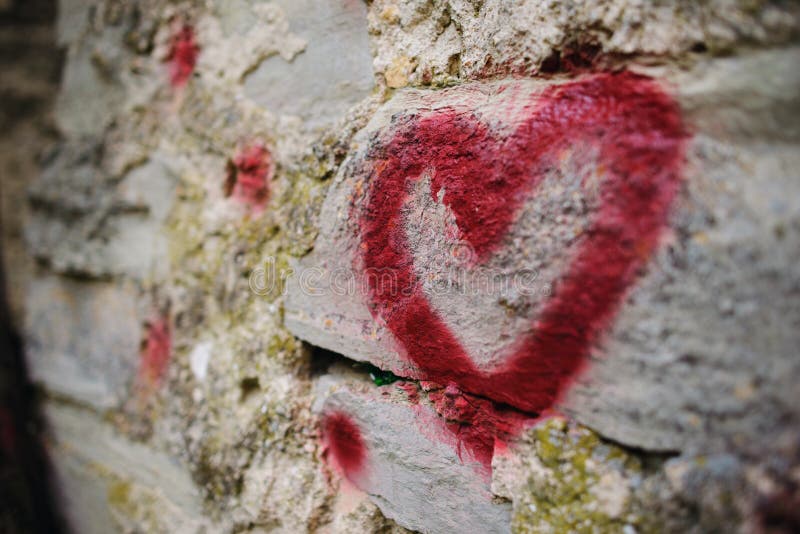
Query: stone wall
{"x": 30, "y": 64}
{"x": 445, "y": 266}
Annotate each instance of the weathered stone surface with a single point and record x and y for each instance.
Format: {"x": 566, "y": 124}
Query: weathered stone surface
{"x": 73, "y": 20}
{"x": 288, "y": 503}
{"x": 237, "y": 35}
{"x": 414, "y": 470}
{"x": 667, "y": 337}
{"x": 699, "y": 358}
{"x": 83, "y": 339}
{"x": 562, "y": 477}
{"x": 91, "y": 89}
{"x": 109, "y": 483}
{"x": 91, "y": 223}
{"x": 332, "y": 72}
{"x": 714, "y": 322}
{"x": 420, "y": 42}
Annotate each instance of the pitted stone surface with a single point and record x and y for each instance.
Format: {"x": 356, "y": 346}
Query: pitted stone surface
{"x": 666, "y": 337}
{"x": 132, "y": 226}
{"x": 329, "y": 75}
{"x": 83, "y": 340}
{"x": 412, "y": 471}
{"x": 423, "y": 41}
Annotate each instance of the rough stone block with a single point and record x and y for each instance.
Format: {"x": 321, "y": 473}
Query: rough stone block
{"x": 599, "y": 287}
{"x": 83, "y": 339}
{"x": 330, "y": 75}
{"x": 108, "y": 483}
{"x": 88, "y": 222}
{"x": 412, "y": 466}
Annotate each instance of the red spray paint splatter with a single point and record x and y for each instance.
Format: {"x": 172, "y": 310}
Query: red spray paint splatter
{"x": 248, "y": 176}
{"x": 343, "y": 440}
{"x": 182, "y": 56}
{"x": 411, "y": 390}
{"x": 638, "y": 132}
{"x": 155, "y": 353}
{"x": 478, "y": 424}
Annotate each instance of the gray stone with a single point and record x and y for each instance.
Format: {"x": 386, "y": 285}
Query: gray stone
{"x": 82, "y": 339}
{"x": 108, "y": 483}
{"x": 73, "y": 20}
{"x": 91, "y": 90}
{"x": 333, "y": 73}
{"x": 87, "y": 222}
{"x": 413, "y": 471}
{"x": 678, "y": 368}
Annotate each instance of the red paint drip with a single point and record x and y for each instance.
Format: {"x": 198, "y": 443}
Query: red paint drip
{"x": 638, "y": 132}
{"x": 411, "y": 390}
{"x": 343, "y": 440}
{"x": 478, "y": 424}
{"x": 182, "y": 56}
{"x": 249, "y": 175}
{"x": 156, "y": 353}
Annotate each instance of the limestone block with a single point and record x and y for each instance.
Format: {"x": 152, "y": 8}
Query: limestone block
{"x": 83, "y": 339}
{"x": 331, "y": 74}
{"x": 695, "y": 348}
{"x": 413, "y": 468}
{"x": 108, "y": 483}
{"x": 87, "y": 222}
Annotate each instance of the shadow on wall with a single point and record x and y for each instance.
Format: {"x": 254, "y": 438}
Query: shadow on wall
{"x": 26, "y": 499}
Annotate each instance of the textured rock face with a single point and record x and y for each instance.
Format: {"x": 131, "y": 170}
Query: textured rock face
{"x": 84, "y": 338}
{"x": 441, "y": 266}
{"x": 348, "y": 301}
{"x": 331, "y": 73}
{"x": 419, "y": 41}
{"x": 409, "y": 463}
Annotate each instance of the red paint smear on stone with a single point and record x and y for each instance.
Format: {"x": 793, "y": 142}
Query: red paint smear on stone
{"x": 638, "y": 132}
{"x": 412, "y": 391}
{"x": 343, "y": 440}
{"x": 155, "y": 353}
{"x": 249, "y": 175}
{"x": 478, "y": 424}
{"x": 182, "y": 56}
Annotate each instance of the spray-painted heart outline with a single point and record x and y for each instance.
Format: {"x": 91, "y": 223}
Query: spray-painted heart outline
{"x": 639, "y": 136}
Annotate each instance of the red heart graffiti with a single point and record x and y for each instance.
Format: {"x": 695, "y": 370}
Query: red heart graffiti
{"x": 639, "y": 137}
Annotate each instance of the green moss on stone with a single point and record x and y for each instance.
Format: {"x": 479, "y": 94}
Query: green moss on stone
{"x": 563, "y": 497}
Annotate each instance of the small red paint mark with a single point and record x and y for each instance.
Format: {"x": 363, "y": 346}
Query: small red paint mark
{"x": 639, "y": 134}
{"x": 249, "y": 175}
{"x": 343, "y": 440}
{"x": 155, "y": 353}
{"x": 478, "y": 425}
{"x": 411, "y": 390}
{"x": 183, "y": 52}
